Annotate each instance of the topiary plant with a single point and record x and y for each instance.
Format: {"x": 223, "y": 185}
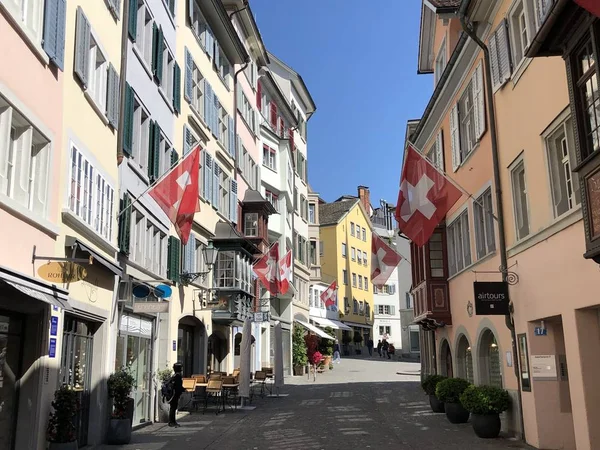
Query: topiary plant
{"x": 430, "y": 383}
{"x": 326, "y": 345}
{"x": 484, "y": 400}
{"x": 120, "y": 385}
{"x": 61, "y": 426}
{"x": 450, "y": 389}
{"x": 299, "y": 357}
{"x": 358, "y": 338}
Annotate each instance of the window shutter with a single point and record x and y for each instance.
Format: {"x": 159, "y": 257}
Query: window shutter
{"x": 154, "y": 152}
{"x": 504, "y": 55}
{"x": 273, "y": 112}
{"x": 291, "y": 137}
{"x": 112, "y": 97}
{"x": 217, "y": 55}
{"x": 208, "y": 105}
{"x": 455, "y": 137}
{"x": 208, "y": 178}
{"x": 215, "y": 185}
{"x": 5, "y": 143}
{"x": 41, "y": 181}
{"x": 125, "y": 224}
{"x": 239, "y": 101}
{"x": 177, "y": 88}
{"x": 191, "y": 12}
{"x": 132, "y": 26}
{"x": 238, "y": 154}
{"x": 189, "y": 251}
{"x": 171, "y": 7}
{"x": 160, "y": 48}
{"x": 439, "y": 150}
{"x": 258, "y": 95}
{"x": 215, "y": 117}
{"x": 188, "y": 140}
{"x": 189, "y": 73}
{"x": 231, "y": 137}
{"x": 210, "y": 42}
{"x": 174, "y": 259}
{"x": 392, "y": 307}
{"x": 174, "y": 157}
{"x": 233, "y": 202}
{"x": 494, "y": 59}
{"x": 128, "y": 121}
{"x": 82, "y": 46}
{"x": 479, "y": 101}
{"x": 54, "y": 31}
{"x": 281, "y": 128}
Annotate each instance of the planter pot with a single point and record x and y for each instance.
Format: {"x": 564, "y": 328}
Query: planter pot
{"x": 298, "y": 370}
{"x": 456, "y": 413}
{"x": 436, "y": 405}
{"x": 63, "y": 445}
{"x": 129, "y": 407}
{"x": 486, "y": 426}
{"x": 119, "y": 431}
{"x": 327, "y": 361}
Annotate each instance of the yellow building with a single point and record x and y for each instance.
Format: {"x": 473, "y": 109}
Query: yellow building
{"x": 345, "y": 235}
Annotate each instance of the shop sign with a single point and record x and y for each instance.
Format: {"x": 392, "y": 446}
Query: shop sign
{"x": 543, "y": 367}
{"x": 52, "y": 349}
{"x": 491, "y": 298}
{"x": 150, "y": 307}
{"x": 62, "y": 272}
{"x": 53, "y": 326}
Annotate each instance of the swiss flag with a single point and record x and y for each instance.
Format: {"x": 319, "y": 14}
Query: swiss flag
{"x": 329, "y": 297}
{"x": 285, "y": 272}
{"x": 424, "y": 199}
{"x": 267, "y": 269}
{"x": 384, "y": 260}
{"x": 177, "y": 194}
{"x": 592, "y": 6}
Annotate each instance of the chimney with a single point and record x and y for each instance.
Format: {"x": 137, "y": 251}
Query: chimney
{"x": 365, "y": 197}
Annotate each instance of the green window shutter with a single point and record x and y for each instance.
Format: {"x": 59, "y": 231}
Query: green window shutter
{"x": 160, "y": 47}
{"x": 177, "y": 88}
{"x": 154, "y": 46}
{"x": 128, "y": 121}
{"x": 132, "y": 19}
{"x": 174, "y": 259}
{"x": 154, "y": 152}
{"x": 125, "y": 224}
{"x": 174, "y": 157}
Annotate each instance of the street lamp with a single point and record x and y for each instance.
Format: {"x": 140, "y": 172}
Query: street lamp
{"x": 209, "y": 253}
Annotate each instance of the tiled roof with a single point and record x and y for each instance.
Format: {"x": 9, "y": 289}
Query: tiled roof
{"x": 331, "y": 213}
{"x": 445, "y": 3}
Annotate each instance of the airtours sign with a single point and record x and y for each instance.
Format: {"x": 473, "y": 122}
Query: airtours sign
{"x": 491, "y": 298}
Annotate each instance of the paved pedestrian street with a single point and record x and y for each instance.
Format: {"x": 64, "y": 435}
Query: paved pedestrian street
{"x": 361, "y": 403}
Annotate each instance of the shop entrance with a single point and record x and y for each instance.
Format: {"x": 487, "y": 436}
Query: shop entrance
{"x": 190, "y": 345}
{"x": 11, "y": 327}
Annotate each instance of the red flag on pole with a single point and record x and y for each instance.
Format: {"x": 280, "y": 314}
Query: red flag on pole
{"x": 329, "y": 297}
{"x": 285, "y": 272}
{"x": 425, "y": 198}
{"x": 177, "y": 194}
{"x": 267, "y": 269}
{"x": 592, "y": 6}
{"x": 384, "y": 260}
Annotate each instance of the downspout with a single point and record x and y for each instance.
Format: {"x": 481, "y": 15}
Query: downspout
{"x": 469, "y": 30}
{"x": 122, "y": 81}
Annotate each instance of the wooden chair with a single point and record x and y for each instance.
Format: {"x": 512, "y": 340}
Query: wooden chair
{"x": 228, "y": 380}
{"x": 215, "y": 376}
{"x": 200, "y": 378}
{"x": 260, "y": 378}
{"x": 189, "y": 384}
{"x": 213, "y": 391}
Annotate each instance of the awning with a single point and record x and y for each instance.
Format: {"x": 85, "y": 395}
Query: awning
{"x": 111, "y": 265}
{"x": 358, "y": 325}
{"x": 36, "y": 289}
{"x": 336, "y": 325}
{"x": 314, "y": 329}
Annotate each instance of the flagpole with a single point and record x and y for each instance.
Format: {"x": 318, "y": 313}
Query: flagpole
{"x": 458, "y": 186}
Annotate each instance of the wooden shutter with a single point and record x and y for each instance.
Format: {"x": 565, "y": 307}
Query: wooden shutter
{"x": 128, "y": 121}
{"x": 174, "y": 157}
{"x": 281, "y": 128}
{"x": 112, "y": 97}
{"x": 5, "y": 143}
{"x": 439, "y": 150}
{"x": 191, "y": 12}
{"x": 189, "y": 73}
{"x": 233, "y": 202}
{"x": 455, "y": 137}
{"x": 154, "y": 152}
{"x": 54, "y": 31}
{"x": 209, "y": 41}
{"x": 132, "y": 26}
{"x": 504, "y": 54}
{"x": 231, "y": 137}
{"x": 125, "y": 224}
{"x": 174, "y": 259}
{"x": 40, "y": 189}
{"x": 177, "y": 88}
{"x": 215, "y": 185}
{"x": 189, "y": 253}
{"x": 479, "y": 101}
{"x": 494, "y": 60}
{"x": 215, "y": 117}
{"x": 82, "y": 46}
{"x": 188, "y": 140}
{"x": 208, "y": 178}
{"x": 171, "y": 7}
{"x": 208, "y": 105}
{"x": 291, "y": 137}
{"x": 258, "y": 95}
{"x": 273, "y": 112}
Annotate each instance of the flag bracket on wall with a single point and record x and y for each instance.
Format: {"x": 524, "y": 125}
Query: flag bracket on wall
{"x": 512, "y": 278}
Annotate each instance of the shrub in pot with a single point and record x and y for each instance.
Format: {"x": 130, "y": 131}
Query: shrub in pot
{"x": 428, "y": 385}
{"x": 61, "y": 432}
{"x": 357, "y": 339}
{"x": 449, "y": 391}
{"x": 161, "y": 377}
{"x": 120, "y": 385}
{"x": 299, "y": 358}
{"x": 346, "y": 339}
{"x": 485, "y": 403}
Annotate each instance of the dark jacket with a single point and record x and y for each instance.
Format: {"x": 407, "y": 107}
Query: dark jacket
{"x": 177, "y": 385}
{"x": 336, "y": 348}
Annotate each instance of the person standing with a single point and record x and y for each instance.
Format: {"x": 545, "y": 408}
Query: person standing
{"x": 370, "y": 346}
{"x": 379, "y": 347}
{"x": 177, "y": 386}
{"x": 385, "y": 347}
{"x": 336, "y": 352}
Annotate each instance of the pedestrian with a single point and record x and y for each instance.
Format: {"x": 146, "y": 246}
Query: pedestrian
{"x": 370, "y": 346}
{"x": 379, "y": 347}
{"x": 336, "y": 352}
{"x": 391, "y": 350}
{"x": 177, "y": 386}
{"x": 384, "y": 348}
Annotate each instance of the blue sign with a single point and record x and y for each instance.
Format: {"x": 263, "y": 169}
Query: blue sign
{"x": 539, "y": 331}
{"x": 54, "y": 308}
{"x": 141, "y": 291}
{"x": 53, "y": 325}
{"x": 163, "y": 291}
{"x": 52, "y": 349}
{"x": 174, "y": 345}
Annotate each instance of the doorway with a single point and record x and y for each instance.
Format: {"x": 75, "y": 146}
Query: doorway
{"x": 11, "y": 330}
{"x": 217, "y": 351}
{"x": 446, "y": 360}
{"x": 190, "y": 345}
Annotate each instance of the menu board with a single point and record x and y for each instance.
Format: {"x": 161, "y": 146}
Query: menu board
{"x": 593, "y": 191}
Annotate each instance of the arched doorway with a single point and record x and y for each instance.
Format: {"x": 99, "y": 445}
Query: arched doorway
{"x": 464, "y": 358}
{"x": 217, "y": 352}
{"x": 446, "y": 360}
{"x": 190, "y": 345}
{"x": 489, "y": 360}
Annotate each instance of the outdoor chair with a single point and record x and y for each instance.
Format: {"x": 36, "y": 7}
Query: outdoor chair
{"x": 200, "y": 378}
{"x": 260, "y": 379}
{"x": 214, "y": 392}
{"x": 215, "y": 376}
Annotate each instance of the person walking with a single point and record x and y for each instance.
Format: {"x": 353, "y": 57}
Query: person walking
{"x": 385, "y": 347}
{"x": 370, "y": 346}
{"x": 177, "y": 386}
{"x": 379, "y": 347}
{"x": 391, "y": 351}
{"x": 336, "y": 352}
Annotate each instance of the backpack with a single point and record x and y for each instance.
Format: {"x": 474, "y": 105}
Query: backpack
{"x": 167, "y": 389}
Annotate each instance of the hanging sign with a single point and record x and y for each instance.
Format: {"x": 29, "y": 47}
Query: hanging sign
{"x": 150, "y": 307}
{"x": 62, "y": 272}
{"x": 491, "y": 298}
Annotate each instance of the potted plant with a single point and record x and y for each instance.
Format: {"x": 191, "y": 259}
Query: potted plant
{"x": 429, "y": 384}
{"x": 326, "y": 346}
{"x": 120, "y": 385}
{"x": 161, "y": 377}
{"x": 449, "y": 391}
{"x": 346, "y": 339}
{"x": 61, "y": 432}
{"x": 299, "y": 358}
{"x": 485, "y": 403}
{"x": 357, "y": 339}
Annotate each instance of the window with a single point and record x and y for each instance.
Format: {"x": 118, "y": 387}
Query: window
{"x": 311, "y": 213}
{"x": 269, "y": 158}
{"x": 523, "y": 27}
{"x": 345, "y": 276}
{"x": 273, "y": 199}
{"x": 519, "y": 189}
{"x": 353, "y": 280}
{"x": 364, "y": 234}
{"x": 91, "y": 198}
{"x": 436, "y": 153}
{"x": 313, "y": 252}
{"x": 251, "y": 224}
{"x": 436, "y": 255}
{"x": 224, "y": 187}
{"x": 563, "y": 182}
{"x": 170, "y": 4}
{"x": 168, "y": 73}
{"x": 201, "y": 29}
{"x": 251, "y": 74}
{"x": 148, "y": 244}
{"x": 222, "y": 65}
{"x": 351, "y": 228}
{"x": 344, "y": 250}
{"x": 384, "y": 329}
{"x": 365, "y": 258}
{"x": 409, "y": 301}
{"x": 223, "y": 125}
{"x": 247, "y": 166}
{"x": 197, "y": 90}
{"x": 141, "y": 135}
{"x": 440, "y": 63}
{"x": 459, "y": 245}
{"x": 359, "y": 257}
{"x": 246, "y": 109}
{"x": 355, "y": 306}
{"x": 97, "y": 74}
{"x": 360, "y": 282}
{"x": 353, "y": 254}
{"x": 366, "y": 284}
{"x": 524, "y": 363}
{"x": 301, "y": 166}
{"x": 28, "y": 14}
{"x": 485, "y": 240}
{"x": 24, "y": 161}
{"x": 144, "y": 39}
{"x": 500, "y": 55}
{"x": 415, "y": 345}
{"x": 224, "y": 276}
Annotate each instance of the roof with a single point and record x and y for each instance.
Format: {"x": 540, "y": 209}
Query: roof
{"x": 443, "y": 4}
{"x": 331, "y": 213}
{"x": 255, "y": 42}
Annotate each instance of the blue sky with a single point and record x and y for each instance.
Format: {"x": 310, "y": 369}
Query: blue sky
{"x": 359, "y": 61}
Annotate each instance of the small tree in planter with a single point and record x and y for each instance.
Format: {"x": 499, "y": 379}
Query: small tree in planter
{"x": 120, "y": 385}
{"x": 357, "y": 339}
{"x": 299, "y": 358}
{"x": 485, "y": 403}
{"x": 326, "y": 346}
{"x": 449, "y": 391}
{"x": 429, "y": 384}
{"x": 61, "y": 432}
{"x": 160, "y": 377}
{"x": 346, "y": 339}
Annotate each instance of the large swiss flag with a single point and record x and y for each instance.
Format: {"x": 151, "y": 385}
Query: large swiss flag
{"x": 384, "y": 260}
{"x": 592, "y": 6}
{"x": 425, "y": 197}
{"x": 267, "y": 269}
{"x": 285, "y": 272}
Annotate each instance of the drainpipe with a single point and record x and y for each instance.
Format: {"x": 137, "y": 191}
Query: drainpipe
{"x": 469, "y": 30}
{"x": 122, "y": 80}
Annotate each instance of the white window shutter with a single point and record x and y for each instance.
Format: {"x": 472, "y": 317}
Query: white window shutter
{"x": 439, "y": 149}
{"x": 455, "y": 137}
{"x": 494, "y": 60}
{"x": 233, "y": 202}
{"x": 479, "y": 101}
{"x": 23, "y": 161}
{"x": 5, "y": 124}
{"x": 40, "y": 190}
{"x": 504, "y": 57}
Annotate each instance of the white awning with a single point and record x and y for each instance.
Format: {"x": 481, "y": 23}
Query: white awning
{"x": 314, "y": 329}
{"x": 330, "y": 323}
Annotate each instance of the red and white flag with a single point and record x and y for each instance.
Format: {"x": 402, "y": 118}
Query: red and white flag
{"x": 329, "y": 296}
{"x": 425, "y": 198}
{"x": 592, "y": 6}
{"x": 384, "y": 260}
{"x": 267, "y": 269}
{"x": 285, "y": 272}
{"x": 177, "y": 194}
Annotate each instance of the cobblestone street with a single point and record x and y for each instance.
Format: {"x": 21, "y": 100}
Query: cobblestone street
{"x": 362, "y": 403}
